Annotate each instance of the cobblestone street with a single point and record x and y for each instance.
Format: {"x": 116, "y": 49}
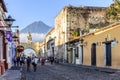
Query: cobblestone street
{"x": 66, "y": 72}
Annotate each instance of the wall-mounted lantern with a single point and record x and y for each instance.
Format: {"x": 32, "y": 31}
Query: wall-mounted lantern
{"x": 115, "y": 40}
{"x": 82, "y": 42}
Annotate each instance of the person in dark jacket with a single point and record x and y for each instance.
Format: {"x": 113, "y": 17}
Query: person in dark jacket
{"x": 28, "y": 63}
{"x": 18, "y": 61}
{"x": 51, "y": 60}
{"x": 15, "y": 60}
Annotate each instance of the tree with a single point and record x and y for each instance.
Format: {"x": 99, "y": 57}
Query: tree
{"x": 113, "y": 11}
{"x": 75, "y": 34}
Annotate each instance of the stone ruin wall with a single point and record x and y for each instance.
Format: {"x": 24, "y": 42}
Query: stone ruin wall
{"x": 81, "y": 17}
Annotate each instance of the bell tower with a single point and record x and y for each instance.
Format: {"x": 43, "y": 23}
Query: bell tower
{"x": 29, "y": 38}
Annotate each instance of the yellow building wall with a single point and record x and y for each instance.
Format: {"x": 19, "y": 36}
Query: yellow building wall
{"x": 94, "y": 38}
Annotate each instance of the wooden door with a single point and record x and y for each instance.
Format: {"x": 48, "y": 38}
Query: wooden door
{"x": 108, "y": 54}
{"x": 93, "y": 54}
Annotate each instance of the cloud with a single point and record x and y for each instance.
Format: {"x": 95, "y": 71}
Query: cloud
{"x": 35, "y": 37}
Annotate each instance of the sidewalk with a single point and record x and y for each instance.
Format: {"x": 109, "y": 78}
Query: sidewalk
{"x": 102, "y": 69}
{"x": 12, "y": 74}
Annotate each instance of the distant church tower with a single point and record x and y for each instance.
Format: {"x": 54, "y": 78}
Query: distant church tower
{"x": 29, "y": 38}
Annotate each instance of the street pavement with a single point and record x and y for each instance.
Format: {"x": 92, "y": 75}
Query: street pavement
{"x": 68, "y": 72}
{"x": 13, "y": 73}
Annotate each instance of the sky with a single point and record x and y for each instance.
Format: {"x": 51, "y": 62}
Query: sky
{"x": 27, "y": 11}
{"x": 29, "y": 52}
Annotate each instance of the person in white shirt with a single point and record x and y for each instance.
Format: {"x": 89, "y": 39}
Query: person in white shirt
{"x": 34, "y": 63}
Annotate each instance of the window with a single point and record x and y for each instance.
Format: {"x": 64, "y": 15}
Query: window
{"x": 48, "y": 45}
{"x": 77, "y": 52}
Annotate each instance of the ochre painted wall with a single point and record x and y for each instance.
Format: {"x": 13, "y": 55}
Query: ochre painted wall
{"x": 94, "y": 38}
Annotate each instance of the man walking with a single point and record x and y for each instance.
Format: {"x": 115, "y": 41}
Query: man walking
{"x": 28, "y": 63}
{"x": 51, "y": 60}
{"x": 34, "y": 63}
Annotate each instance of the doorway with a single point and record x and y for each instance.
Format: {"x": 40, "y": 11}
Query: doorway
{"x": 53, "y": 51}
{"x": 108, "y": 53}
{"x": 93, "y": 54}
{"x": 81, "y": 54}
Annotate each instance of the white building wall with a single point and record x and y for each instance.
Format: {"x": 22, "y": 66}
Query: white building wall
{"x": 9, "y": 55}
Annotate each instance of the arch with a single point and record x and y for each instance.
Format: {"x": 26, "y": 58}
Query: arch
{"x": 34, "y": 46}
{"x": 29, "y": 52}
{"x": 31, "y": 48}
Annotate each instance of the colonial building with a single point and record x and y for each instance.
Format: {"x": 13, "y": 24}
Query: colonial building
{"x": 50, "y": 40}
{"x": 69, "y": 21}
{"x": 42, "y": 52}
{"x": 3, "y": 44}
{"x": 100, "y": 48}
{"x": 6, "y": 43}
{"x": 76, "y": 19}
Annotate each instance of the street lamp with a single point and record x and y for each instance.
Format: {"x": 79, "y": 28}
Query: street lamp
{"x": 8, "y": 36}
{"x": 9, "y": 21}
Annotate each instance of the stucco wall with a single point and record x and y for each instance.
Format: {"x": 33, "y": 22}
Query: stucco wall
{"x": 96, "y": 37}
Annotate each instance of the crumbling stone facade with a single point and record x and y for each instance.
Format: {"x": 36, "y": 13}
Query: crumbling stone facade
{"x": 71, "y": 19}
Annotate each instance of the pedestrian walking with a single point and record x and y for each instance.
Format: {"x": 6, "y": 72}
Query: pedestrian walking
{"x": 21, "y": 61}
{"x": 18, "y": 61}
{"x": 34, "y": 63}
{"x": 28, "y": 63}
{"x": 42, "y": 61}
{"x": 51, "y": 60}
{"x": 14, "y": 60}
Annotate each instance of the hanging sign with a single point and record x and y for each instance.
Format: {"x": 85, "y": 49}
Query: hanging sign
{"x": 9, "y": 36}
{"x": 20, "y": 48}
